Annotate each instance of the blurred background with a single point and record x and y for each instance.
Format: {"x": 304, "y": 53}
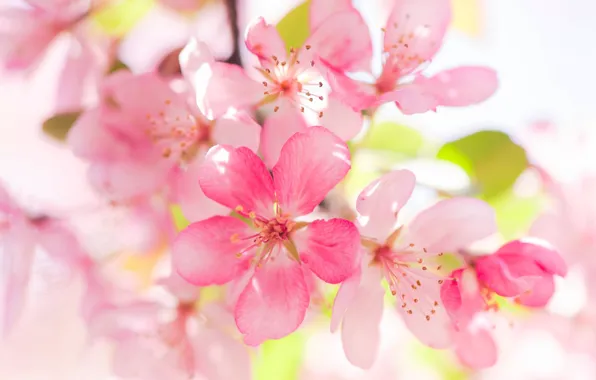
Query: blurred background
{"x": 543, "y": 53}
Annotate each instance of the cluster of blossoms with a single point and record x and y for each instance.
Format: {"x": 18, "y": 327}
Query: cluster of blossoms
{"x": 254, "y": 193}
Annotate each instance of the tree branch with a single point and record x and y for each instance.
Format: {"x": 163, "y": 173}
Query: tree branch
{"x": 232, "y": 9}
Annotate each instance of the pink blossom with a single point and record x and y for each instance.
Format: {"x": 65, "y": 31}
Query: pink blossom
{"x": 19, "y": 235}
{"x": 407, "y": 258}
{"x": 520, "y": 269}
{"x": 293, "y": 80}
{"x": 27, "y": 32}
{"x": 412, "y": 36}
{"x": 275, "y": 248}
{"x": 145, "y": 139}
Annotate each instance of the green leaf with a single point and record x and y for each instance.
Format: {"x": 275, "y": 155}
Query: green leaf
{"x": 57, "y": 126}
{"x": 294, "y": 28}
{"x": 393, "y": 137}
{"x": 490, "y": 158}
{"x": 117, "y": 65}
{"x": 117, "y": 18}
{"x": 280, "y": 359}
{"x": 515, "y": 213}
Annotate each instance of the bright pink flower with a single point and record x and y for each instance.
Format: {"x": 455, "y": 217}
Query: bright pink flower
{"x": 294, "y": 80}
{"x": 276, "y": 248}
{"x": 522, "y": 269}
{"x": 145, "y": 139}
{"x": 407, "y": 258}
{"x": 27, "y": 32}
{"x": 19, "y": 235}
{"x": 412, "y": 36}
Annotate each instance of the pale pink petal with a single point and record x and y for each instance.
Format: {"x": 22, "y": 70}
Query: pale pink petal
{"x": 311, "y": 163}
{"x": 343, "y": 299}
{"x": 379, "y": 203}
{"x": 61, "y": 244}
{"x": 79, "y": 65}
{"x": 415, "y": 30}
{"x": 181, "y": 5}
{"x": 127, "y": 179}
{"x": 140, "y": 358}
{"x": 237, "y": 130}
{"x": 452, "y": 224}
{"x": 183, "y": 290}
{"x": 476, "y": 348}
{"x": 218, "y": 86}
{"x": 274, "y": 302}
{"x": 276, "y": 131}
{"x": 320, "y": 10}
{"x": 237, "y": 177}
{"x": 350, "y": 50}
{"x": 264, "y": 41}
{"x": 330, "y": 249}
{"x": 214, "y": 351}
{"x": 205, "y": 253}
{"x": 419, "y": 303}
{"x": 541, "y": 292}
{"x": 356, "y": 94}
{"x": 16, "y": 257}
{"x": 341, "y": 119}
{"x": 555, "y": 230}
{"x": 508, "y": 275}
{"x": 188, "y": 194}
{"x": 360, "y": 333}
{"x": 412, "y": 98}
{"x": 463, "y": 86}
{"x": 89, "y": 139}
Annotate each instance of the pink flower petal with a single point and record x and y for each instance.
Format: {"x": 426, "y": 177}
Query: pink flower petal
{"x": 237, "y": 130}
{"x": 311, "y": 163}
{"x": 16, "y": 258}
{"x": 237, "y": 177}
{"x": 343, "y": 299}
{"x": 274, "y": 302}
{"x": 341, "y": 119}
{"x": 204, "y": 253}
{"x": 188, "y": 194}
{"x": 356, "y": 94}
{"x": 412, "y": 98}
{"x": 508, "y": 275}
{"x": 540, "y": 294}
{"x": 379, "y": 203}
{"x": 320, "y": 10}
{"x": 330, "y": 249}
{"x": 183, "y": 290}
{"x": 452, "y": 224}
{"x": 463, "y": 86}
{"x": 263, "y": 40}
{"x": 360, "y": 332}
{"x": 415, "y": 30}
{"x": 276, "y": 131}
{"x": 476, "y": 348}
{"x": 350, "y": 50}
{"x": 181, "y": 5}
{"x": 215, "y": 350}
{"x": 61, "y": 244}
{"x": 419, "y": 303}
{"x": 218, "y": 86}
{"x": 546, "y": 257}
{"x": 555, "y": 230}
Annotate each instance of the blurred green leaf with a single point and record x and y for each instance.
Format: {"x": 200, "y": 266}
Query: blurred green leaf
{"x": 118, "y": 17}
{"x": 57, "y": 126}
{"x": 180, "y": 220}
{"x": 294, "y": 28}
{"x": 491, "y": 159}
{"x": 393, "y": 137}
{"x": 515, "y": 214}
{"x": 280, "y": 359}
{"x": 117, "y": 65}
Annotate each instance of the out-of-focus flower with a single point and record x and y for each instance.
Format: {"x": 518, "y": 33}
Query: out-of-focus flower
{"x": 19, "y": 235}
{"x": 412, "y": 36}
{"x": 145, "y": 139}
{"x": 27, "y": 32}
{"x": 277, "y": 250}
{"x": 407, "y": 258}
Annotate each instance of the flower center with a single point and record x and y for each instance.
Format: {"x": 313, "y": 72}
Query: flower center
{"x": 271, "y": 234}
{"x": 294, "y": 80}
{"x": 179, "y": 134}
